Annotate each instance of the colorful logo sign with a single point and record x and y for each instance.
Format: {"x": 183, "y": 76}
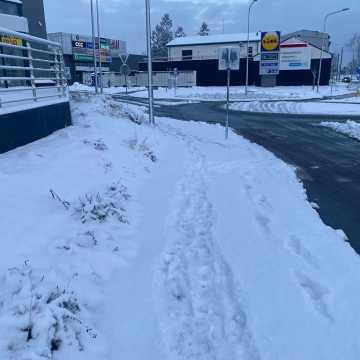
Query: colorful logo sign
{"x": 11, "y": 40}
{"x": 270, "y": 41}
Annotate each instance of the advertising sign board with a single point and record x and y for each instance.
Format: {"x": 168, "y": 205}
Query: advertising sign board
{"x": 270, "y": 53}
{"x": 11, "y": 40}
{"x": 82, "y": 47}
{"x": 295, "y": 57}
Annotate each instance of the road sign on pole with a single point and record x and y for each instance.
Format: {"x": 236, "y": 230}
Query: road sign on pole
{"x": 229, "y": 59}
{"x": 270, "y": 53}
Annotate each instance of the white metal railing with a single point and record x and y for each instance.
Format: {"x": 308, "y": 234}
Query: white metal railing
{"x": 31, "y": 69}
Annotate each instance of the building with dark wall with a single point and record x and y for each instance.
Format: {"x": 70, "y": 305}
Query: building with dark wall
{"x": 34, "y": 11}
{"x": 299, "y": 60}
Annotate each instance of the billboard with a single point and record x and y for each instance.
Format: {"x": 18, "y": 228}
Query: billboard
{"x": 295, "y": 57}
{"x": 82, "y": 48}
{"x": 270, "y": 53}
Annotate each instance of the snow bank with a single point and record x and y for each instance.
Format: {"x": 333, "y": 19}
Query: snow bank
{"x": 350, "y": 128}
{"x": 218, "y": 93}
{"x": 123, "y": 240}
{"x": 291, "y": 107}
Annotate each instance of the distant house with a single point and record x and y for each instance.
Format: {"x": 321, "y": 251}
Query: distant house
{"x": 207, "y": 47}
{"x": 299, "y": 59}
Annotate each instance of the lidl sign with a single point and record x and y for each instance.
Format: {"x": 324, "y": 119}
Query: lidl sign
{"x": 270, "y": 41}
{"x": 270, "y": 53}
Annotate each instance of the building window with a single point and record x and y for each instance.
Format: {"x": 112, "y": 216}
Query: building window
{"x": 10, "y": 8}
{"x": 187, "y": 54}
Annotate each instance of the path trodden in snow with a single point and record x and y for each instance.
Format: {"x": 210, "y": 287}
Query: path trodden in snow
{"x": 166, "y": 243}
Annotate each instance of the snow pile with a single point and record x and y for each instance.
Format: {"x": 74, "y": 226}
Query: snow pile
{"x": 349, "y": 128}
{"x": 292, "y": 107}
{"x": 124, "y": 240}
{"x": 218, "y": 93}
{"x": 91, "y": 89}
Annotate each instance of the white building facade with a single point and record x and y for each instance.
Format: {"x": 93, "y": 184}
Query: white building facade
{"x": 207, "y": 47}
{"x": 11, "y": 16}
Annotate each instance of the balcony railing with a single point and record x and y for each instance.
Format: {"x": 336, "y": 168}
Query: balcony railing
{"x": 31, "y": 70}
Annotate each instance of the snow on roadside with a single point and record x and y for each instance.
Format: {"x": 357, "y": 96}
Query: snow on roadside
{"x": 349, "y": 128}
{"x": 166, "y": 242}
{"x": 218, "y": 93}
{"x": 292, "y": 107}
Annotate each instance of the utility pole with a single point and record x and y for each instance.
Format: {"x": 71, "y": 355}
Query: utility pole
{"x": 99, "y": 46}
{"x": 94, "y": 44}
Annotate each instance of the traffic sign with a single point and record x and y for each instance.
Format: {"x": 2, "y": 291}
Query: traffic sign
{"x": 229, "y": 58}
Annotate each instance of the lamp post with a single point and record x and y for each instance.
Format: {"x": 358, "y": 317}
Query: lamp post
{"x": 247, "y": 48}
{"x": 149, "y": 56}
{"x": 94, "y": 44}
{"x": 323, "y": 41}
{"x": 99, "y": 47}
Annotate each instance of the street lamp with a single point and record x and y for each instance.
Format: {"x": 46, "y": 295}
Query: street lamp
{"x": 99, "y": 46}
{"x": 323, "y": 41}
{"x": 247, "y": 49}
{"x": 148, "y": 45}
{"x": 94, "y": 44}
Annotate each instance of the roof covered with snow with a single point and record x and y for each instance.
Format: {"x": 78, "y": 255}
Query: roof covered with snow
{"x": 214, "y": 39}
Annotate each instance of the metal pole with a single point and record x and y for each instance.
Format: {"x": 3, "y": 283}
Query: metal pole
{"x": 341, "y": 62}
{"x": 99, "y": 45}
{"x": 323, "y": 42}
{"x": 227, "y": 103}
{"x": 247, "y": 48}
{"x": 148, "y": 45}
{"x": 94, "y": 44}
{"x": 321, "y": 54}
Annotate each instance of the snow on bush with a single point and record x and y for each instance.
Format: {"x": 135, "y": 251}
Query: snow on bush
{"x": 40, "y": 316}
{"x": 350, "y": 128}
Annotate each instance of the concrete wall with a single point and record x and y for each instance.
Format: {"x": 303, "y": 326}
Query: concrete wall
{"x": 22, "y": 127}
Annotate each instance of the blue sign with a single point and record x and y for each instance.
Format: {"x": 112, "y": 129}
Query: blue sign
{"x": 358, "y": 70}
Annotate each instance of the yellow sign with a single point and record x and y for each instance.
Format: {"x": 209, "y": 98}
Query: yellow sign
{"x": 11, "y": 40}
{"x": 270, "y": 41}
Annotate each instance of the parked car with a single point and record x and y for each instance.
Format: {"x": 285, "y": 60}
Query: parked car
{"x": 346, "y": 79}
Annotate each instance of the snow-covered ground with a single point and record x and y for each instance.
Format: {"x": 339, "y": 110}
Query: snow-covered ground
{"x": 355, "y": 99}
{"x": 292, "y": 107}
{"x": 216, "y": 93}
{"x": 107, "y": 90}
{"x": 126, "y": 241}
{"x": 349, "y": 128}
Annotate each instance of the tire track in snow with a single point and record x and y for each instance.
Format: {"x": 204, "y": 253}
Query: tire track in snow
{"x": 200, "y": 312}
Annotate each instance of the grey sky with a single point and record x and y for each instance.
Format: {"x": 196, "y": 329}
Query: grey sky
{"x": 124, "y": 19}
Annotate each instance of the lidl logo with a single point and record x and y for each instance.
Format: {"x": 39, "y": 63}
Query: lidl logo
{"x": 270, "y": 41}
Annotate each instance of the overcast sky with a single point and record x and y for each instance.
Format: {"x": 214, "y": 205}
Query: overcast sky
{"x": 124, "y": 19}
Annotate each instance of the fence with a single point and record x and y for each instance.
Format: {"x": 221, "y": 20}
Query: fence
{"x": 31, "y": 69}
{"x": 160, "y": 78}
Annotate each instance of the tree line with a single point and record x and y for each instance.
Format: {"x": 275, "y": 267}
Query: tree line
{"x": 164, "y": 33}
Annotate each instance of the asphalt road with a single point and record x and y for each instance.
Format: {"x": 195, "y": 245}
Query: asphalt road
{"x": 328, "y": 163}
